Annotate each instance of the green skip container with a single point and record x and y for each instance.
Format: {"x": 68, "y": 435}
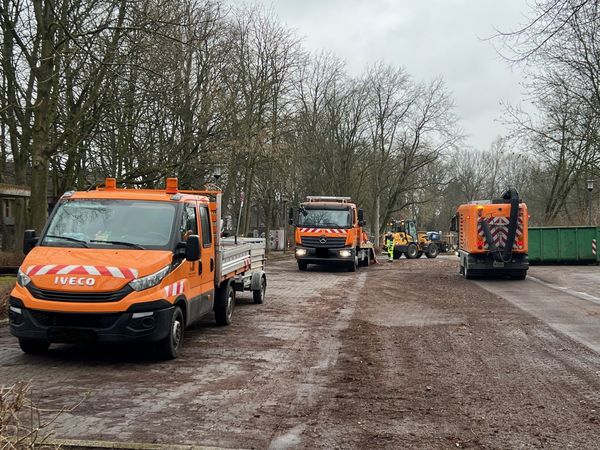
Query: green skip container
{"x": 564, "y": 245}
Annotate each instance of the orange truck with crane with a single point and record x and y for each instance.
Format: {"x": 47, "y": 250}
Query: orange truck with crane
{"x": 329, "y": 230}
{"x": 492, "y": 237}
{"x": 131, "y": 265}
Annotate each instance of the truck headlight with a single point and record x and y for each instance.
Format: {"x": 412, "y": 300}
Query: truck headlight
{"x": 300, "y": 252}
{"x": 22, "y": 278}
{"x": 149, "y": 281}
{"x": 345, "y": 253}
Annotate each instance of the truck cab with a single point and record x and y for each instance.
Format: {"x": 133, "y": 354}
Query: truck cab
{"x": 329, "y": 231}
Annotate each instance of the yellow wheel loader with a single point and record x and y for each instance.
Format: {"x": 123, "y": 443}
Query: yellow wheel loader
{"x": 409, "y": 242}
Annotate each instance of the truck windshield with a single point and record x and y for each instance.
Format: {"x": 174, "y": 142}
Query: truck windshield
{"x": 323, "y": 218}
{"x": 111, "y": 223}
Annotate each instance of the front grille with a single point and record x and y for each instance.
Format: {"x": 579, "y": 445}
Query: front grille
{"x": 89, "y": 320}
{"x": 82, "y": 297}
{"x": 331, "y": 242}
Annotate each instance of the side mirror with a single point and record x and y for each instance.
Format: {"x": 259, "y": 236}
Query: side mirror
{"x": 29, "y": 240}
{"x": 291, "y": 216}
{"x": 192, "y": 248}
{"x": 361, "y": 217}
{"x": 454, "y": 224}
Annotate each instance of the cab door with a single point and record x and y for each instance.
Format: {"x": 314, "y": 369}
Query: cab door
{"x": 199, "y": 303}
{"x": 207, "y": 251}
{"x": 189, "y": 226}
{"x": 412, "y": 230}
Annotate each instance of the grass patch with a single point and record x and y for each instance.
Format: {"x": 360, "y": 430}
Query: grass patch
{"x": 6, "y": 285}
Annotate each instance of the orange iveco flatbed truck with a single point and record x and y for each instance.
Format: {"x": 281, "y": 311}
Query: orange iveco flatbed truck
{"x": 131, "y": 265}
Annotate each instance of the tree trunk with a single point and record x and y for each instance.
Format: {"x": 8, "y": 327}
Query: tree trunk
{"x": 377, "y": 208}
{"x": 39, "y": 187}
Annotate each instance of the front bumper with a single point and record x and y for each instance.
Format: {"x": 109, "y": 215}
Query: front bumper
{"x": 325, "y": 255}
{"x": 69, "y": 327}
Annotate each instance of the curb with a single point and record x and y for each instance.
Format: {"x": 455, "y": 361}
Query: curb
{"x": 97, "y": 444}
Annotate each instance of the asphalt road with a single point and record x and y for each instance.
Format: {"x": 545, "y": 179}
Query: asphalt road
{"x": 398, "y": 355}
{"x": 565, "y": 297}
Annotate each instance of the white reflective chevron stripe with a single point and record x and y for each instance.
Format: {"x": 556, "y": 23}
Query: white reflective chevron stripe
{"x": 63, "y": 271}
{"x": 115, "y": 272}
{"x": 45, "y": 269}
{"x": 91, "y": 270}
{"x": 175, "y": 288}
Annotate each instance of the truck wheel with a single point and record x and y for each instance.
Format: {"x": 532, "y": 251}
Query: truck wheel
{"x": 419, "y": 253}
{"x": 302, "y": 265}
{"x": 412, "y": 251}
{"x": 34, "y": 346}
{"x": 259, "y": 294}
{"x": 431, "y": 251}
{"x": 367, "y": 259}
{"x": 353, "y": 265}
{"x": 224, "y": 304}
{"x": 170, "y": 346}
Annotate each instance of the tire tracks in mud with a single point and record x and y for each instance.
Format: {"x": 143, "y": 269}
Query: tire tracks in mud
{"x": 315, "y": 378}
{"x": 473, "y": 371}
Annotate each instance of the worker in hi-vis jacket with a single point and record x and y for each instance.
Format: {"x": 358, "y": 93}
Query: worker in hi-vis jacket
{"x": 389, "y": 246}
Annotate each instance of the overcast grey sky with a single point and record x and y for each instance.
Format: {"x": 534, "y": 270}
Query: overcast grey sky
{"x": 428, "y": 38}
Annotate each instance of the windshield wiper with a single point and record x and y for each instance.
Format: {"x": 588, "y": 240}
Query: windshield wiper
{"x": 128, "y": 244}
{"x": 67, "y": 238}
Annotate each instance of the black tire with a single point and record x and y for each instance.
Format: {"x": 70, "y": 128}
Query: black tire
{"x": 431, "y": 251}
{"x": 170, "y": 346}
{"x": 468, "y": 274}
{"x": 366, "y": 260}
{"x": 34, "y": 346}
{"x": 518, "y": 274}
{"x": 412, "y": 251}
{"x": 302, "y": 265}
{"x": 259, "y": 294}
{"x": 352, "y": 265}
{"x": 224, "y": 305}
{"x": 397, "y": 254}
{"x": 419, "y": 254}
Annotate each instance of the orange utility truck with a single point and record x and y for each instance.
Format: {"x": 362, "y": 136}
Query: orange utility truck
{"x": 329, "y": 231}
{"x": 492, "y": 237}
{"x": 131, "y": 265}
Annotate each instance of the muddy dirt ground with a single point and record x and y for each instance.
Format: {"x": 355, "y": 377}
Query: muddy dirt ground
{"x": 398, "y": 355}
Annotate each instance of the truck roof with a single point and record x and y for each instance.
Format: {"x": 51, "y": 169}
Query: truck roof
{"x": 338, "y": 204}
{"x": 170, "y": 193}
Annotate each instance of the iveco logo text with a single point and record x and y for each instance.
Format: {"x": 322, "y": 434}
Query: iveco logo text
{"x": 323, "y": 239}
{"x": 75, "y": 281}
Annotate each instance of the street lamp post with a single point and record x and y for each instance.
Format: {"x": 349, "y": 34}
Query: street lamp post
{"x": 590, "y": 188}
